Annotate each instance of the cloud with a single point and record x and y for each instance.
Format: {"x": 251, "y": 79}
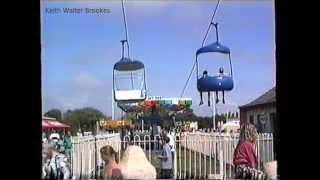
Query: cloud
{"x": 82, "y": 90}
{"x": 86, "y": 80}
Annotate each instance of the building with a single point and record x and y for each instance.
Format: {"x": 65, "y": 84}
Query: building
{"x": 170, "y": 101}
{"x": 261, "y": 112}
{"x": 153, "y": 102}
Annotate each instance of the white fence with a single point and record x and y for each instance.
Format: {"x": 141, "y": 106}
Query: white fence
{"x": 217, "y": 150}
{"x": 196, "y": 155}
{"x": 86, "y": 153}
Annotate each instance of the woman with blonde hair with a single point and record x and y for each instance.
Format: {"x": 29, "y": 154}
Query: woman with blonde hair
{"x": 245, "y": 158}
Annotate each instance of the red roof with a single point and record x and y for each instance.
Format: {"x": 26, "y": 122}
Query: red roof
{"x": 53, "y": 124}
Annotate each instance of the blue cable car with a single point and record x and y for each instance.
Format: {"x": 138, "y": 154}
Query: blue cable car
{"x": 129, "y": 84}
{"x": 215, "y": 83}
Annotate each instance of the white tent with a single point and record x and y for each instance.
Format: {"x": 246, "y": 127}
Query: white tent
{"x": 231, "y": 125}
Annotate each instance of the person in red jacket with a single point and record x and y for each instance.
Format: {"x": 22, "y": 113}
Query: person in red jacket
{"x": 245, "y": 158}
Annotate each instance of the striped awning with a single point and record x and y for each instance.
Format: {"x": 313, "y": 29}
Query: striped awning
{"x": 53, "y": 124}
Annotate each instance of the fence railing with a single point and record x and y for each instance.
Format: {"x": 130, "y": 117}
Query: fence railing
{"x": 85, "y": 158}
{"x": 218, "y": 149}
{"x": 195, "y": 155}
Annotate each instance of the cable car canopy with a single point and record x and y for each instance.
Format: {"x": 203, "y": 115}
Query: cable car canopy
{"x": 209, "y": 82}
{"x": 126, "y": 64}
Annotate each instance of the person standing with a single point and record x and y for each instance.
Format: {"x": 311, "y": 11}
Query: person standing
{"x": 166, "y": 160}
{"x": 131, "y": 135}
{"x": 60, "y": 144}
{"x": 67, "y": 143}
{"x": 44, "y": 138}
{"x": 171, "y": 136}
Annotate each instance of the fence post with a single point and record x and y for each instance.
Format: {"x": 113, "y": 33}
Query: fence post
{"x": 272, "y": 154}
{"x": 189, "y": 145}
{"x": 195, "y": 157}
{"x": 210, "y": 153}
{"x": 258, "y": 150}
{"x": 175, "y": 161}
{"x": 215, "y": 143}
{"x": 150, "y": 147}
{"x": 179, "y": 146}
{"x": 221, "y": 160}
{"x": 185, "y": 155}
{"x": 200, "y": 153}
{"x": 205, "y": 156}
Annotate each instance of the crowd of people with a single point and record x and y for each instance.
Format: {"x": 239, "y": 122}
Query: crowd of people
{"x": 57, "y": 147}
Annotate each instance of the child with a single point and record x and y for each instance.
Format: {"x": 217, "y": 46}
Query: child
{"x": 245, "y": 158}
{"x": 166, "y": 160}
{"x": 110, "y": 157}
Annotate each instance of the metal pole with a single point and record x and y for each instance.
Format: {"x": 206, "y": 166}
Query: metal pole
{"x": 175, "y": 167}
{"x": 142, "y": 125}
{"x": 112, "y": 105}
{"x": 95, "y": 156}
{"x": 214, "y": 111}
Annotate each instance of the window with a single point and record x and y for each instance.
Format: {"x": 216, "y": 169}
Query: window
{"x": 251, "y": 119}
{"x": 261, "y": 122}
{"x": 272, "y": 121}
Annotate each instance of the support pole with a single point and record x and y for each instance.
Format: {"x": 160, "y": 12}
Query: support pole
{"x": 214, "y": 111}
{"x": 112, "y": 105}
{"x": 95, "y": 155}
{"x": 142, "y": 125}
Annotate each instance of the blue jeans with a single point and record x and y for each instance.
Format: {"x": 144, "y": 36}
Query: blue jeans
{"x": 68, "y": 153}
{"x": 166, "y": 173}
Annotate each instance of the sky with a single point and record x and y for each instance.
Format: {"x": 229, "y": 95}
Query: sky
{"x": 79, "y": 50}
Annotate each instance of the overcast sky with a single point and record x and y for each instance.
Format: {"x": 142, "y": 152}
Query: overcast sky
{"x": 79, "y": 50}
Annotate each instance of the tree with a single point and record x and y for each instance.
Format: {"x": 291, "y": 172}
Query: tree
{"x": 84, "y": 118}
{"x": 237, "y": 114}
{"x": 54, "y": 113}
